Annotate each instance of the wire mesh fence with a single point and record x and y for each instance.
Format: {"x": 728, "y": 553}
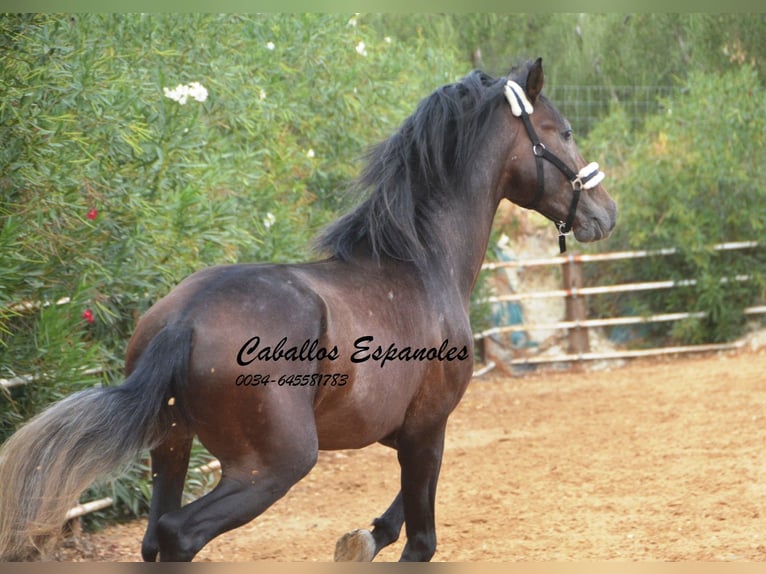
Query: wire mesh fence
{"x": 583, "y": 105}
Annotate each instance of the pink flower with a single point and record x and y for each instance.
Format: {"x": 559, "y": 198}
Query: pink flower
{"x": 92, "y": 213}
{"x": 88, "y": 316}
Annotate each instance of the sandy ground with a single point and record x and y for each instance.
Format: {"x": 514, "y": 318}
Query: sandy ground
{"x": 660, "y": 459}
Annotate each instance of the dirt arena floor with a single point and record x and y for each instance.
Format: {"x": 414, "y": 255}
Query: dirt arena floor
{"x": 657, "y": 460}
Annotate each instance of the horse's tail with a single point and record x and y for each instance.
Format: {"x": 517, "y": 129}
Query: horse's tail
{"x": 49, "y": 461}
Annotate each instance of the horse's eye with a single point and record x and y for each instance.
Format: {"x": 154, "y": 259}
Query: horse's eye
{"x": 567, "y": 134}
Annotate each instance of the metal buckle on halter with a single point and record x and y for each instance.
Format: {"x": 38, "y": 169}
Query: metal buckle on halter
{"x": 538, "y": 149}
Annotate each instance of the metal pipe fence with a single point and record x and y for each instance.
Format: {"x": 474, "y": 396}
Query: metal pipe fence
{"x": 577, "y": 323}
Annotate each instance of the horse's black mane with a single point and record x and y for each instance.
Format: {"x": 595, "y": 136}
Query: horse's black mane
{"x": 425, "y": 160}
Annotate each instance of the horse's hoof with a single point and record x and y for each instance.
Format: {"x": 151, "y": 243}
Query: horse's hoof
{"x": 355, "y": 546}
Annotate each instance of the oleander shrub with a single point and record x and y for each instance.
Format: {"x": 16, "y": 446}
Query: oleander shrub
{"x": 138, "y": 148}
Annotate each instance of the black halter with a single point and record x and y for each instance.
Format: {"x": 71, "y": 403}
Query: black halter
{"x": 588, "y": 177}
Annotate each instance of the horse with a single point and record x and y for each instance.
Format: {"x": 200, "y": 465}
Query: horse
{"x": 371, "y": 342}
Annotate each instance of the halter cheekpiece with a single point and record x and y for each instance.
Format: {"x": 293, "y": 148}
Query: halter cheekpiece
{"x": 588, "y": 177}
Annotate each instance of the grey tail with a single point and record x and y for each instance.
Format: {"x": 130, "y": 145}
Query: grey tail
{"x": 49, "y": 461}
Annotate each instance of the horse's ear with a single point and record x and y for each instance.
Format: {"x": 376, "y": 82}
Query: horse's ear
{"x": 535, "y": 79}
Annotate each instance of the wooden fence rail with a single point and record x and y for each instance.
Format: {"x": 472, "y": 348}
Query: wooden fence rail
{"x": 576, "y": 322}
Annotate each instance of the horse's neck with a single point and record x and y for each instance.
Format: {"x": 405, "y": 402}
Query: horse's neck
{"x": 463, "y": 235}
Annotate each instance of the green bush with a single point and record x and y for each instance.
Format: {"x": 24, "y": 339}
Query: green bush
{"x": 112, "y": 191}
{"x": 691, "y": 178}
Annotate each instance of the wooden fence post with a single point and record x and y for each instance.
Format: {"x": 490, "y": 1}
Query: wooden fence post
{"x": 579, "y": 342}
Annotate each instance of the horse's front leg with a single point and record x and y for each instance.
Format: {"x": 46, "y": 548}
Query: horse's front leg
{"x": 420, "y": 456}
{"x": 420, "y": 453}
{"x": 364, "y": 545}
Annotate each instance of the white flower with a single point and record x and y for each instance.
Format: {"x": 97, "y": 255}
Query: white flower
{"x": 387, "y": 39}
{"x": 269, "y": 220}
{"x": 360, "y": 49}
{"x": 270, "y": 45}
{"x": 182, "y": 92}
{"x": 262, "y": 94}
{"x": 352, "y": 21}
{"x": 177, "y": 94}
{"x": 197, "y": 91}
{"x": 310, "y": 153}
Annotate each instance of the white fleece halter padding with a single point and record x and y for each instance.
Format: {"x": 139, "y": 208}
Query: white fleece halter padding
{"x": 596, "y": 176}
{"x": 516, "y": 97}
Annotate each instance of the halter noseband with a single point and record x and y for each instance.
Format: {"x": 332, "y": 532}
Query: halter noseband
{"x": 588, "y": 177}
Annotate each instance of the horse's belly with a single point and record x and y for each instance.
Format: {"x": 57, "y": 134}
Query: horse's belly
{"x": 367, "y": 409}
{"x": 356, "y": 426}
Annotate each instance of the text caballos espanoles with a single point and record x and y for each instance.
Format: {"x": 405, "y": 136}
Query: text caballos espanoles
{"x": 365, "y": 350}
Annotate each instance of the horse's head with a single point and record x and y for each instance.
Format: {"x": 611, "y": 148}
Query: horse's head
{"x": 545, "y": 172}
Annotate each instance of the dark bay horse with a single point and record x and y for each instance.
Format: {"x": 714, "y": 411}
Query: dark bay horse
{"x": 267, "y": 364}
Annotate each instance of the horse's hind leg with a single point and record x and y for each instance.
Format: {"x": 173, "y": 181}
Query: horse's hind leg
{"x": 169, "y": 463}
{"x": 364, "y": 545}
{"x": 261, "y": 457}
{"x": 244, "y": 491}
